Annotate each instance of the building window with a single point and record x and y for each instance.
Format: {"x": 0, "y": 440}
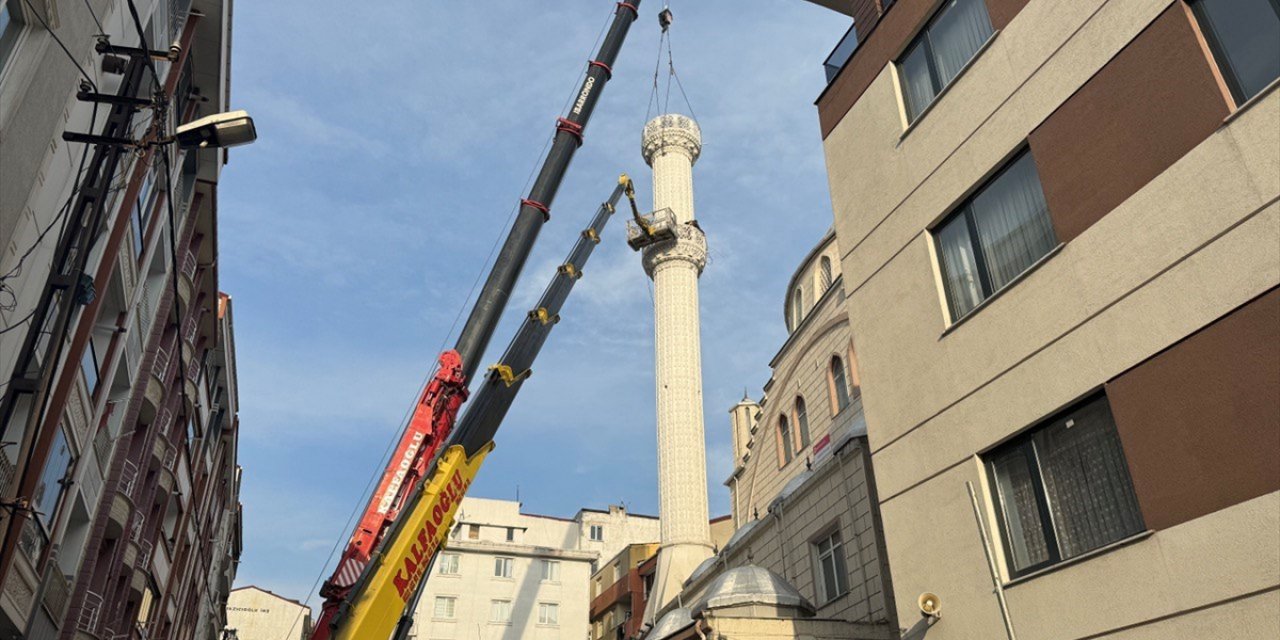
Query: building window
{"x": 839, "y": 386}
{"x": 784, "y": 442}
{"x": 941, "y": 50}
{"x": 802, "y": 421}
{"x": 89, "y": 365}
{"x": 142, "y": 208}
{"x": 824, "y": 275}
{"x": 551, "y": 570}
{"x": 994, "y": 236}
{"x": 548, "y": 613}
{"x": 511, "y": 534}
{"x": 53, "y": 480}
{"x": 829, "y": 556}
{"x": 446, "y": 608}
{"x": 1063, "y": 489}
{"x": 12, "y": 26}
{"x": 797, "y": 307}
{"x": 597, "y": 532}
{"x": 502, "y": 567}
{"x": 450, "y": 564}
{"x": 473, "y": 532}
{"x": 1244, "y": 36}
{"x": 500, "y": 611}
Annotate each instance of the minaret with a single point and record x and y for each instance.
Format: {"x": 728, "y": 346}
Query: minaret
{"x": 671, "y": 145}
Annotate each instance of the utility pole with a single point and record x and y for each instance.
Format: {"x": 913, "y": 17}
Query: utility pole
{"x": 66, "y": 288}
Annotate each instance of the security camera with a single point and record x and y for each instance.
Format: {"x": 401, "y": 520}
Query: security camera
{"x": 219, "y": 130}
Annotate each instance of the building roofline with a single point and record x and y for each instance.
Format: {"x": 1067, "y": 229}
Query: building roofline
{"x": 270, "y": 593}
{"x": 827, "y": 238}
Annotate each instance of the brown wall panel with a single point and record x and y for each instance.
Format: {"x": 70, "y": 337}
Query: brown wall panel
{"x": 887, "y": 38}
{"x": 875, "y": 50}
{"x": 1150, "y": 105}
{"x": 1200, "y": 421}
{"x": 1003, "y": 11}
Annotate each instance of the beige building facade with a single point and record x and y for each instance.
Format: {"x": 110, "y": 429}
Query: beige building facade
{"x": 1060, "y": 237}
{"x": 509, "y": 575}
{"x": 254, "y": 613}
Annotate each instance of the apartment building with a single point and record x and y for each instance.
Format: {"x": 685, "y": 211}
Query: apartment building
{"x": 807, "y": 557}
{"x": 118, "y": 413}
{"x": 511, "y": 575}
{"x": 621, "y": 585}
{"x": 1059, "y": 226}
{"x": 253, "y": 613}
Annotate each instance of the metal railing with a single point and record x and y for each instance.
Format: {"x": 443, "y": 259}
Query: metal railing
{"x": 841, "y": 53}
{"x": 128, "y": 478}
{"x": 91, "y": 613}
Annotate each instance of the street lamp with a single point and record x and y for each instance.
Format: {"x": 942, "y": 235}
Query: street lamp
{"x": 228, "y": 129}
{"x": 220, "y": 130}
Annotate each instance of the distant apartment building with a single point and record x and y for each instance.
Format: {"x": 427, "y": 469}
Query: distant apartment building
{"x": 118, "y": 398}
{"x": 511, "y": 575}
{"x": 621, "y": 585}
{"x": 254, "y": 613}
{"x": 1059, "y": 226}
{"x": 807, "y": 557}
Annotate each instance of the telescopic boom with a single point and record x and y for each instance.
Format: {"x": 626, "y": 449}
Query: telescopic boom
{"x": 434, "y": 414}
{"x": 391, "y": 583}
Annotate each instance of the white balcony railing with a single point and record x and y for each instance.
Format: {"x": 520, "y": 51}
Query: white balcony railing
{"x": 90, "y": 613}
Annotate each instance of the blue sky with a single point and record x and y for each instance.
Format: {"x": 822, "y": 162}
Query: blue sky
{"x": 394, "y": 140}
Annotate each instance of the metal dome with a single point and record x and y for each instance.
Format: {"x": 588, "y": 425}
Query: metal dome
{"x": 675, "y": 620}
{"x": 751, "y": 585}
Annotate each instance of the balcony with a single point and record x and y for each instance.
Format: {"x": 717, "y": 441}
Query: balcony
{"x": 90, "y": 617}
{"x": 118, "y": 516}
{"x": 841, "y": 53}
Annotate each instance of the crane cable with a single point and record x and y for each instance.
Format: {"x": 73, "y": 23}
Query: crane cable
{"x": 665, "y": 19}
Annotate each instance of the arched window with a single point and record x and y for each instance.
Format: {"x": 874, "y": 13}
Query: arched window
{"x": 784, "y": 441}
{"x": 824, "y": 274}
{"x": 802, "y": 421}
{"x": 797, "y": 307}
{"x": 839, "y": 388}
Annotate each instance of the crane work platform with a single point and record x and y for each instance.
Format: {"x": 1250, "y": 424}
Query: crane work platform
{"x": 651, "y": 228}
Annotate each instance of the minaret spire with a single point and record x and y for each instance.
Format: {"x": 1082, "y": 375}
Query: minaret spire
{"x": 671, "y": 144}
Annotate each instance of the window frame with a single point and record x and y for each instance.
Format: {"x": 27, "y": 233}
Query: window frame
{"x": 826, "y": 275}
{"x": 1220, "y": 57}
{"x": 450, "y": 560}
{"x": 921, "y": 38}
{"x": 494, "y": 606}
{"x": 552, "y": 620}
{"x": 785, "y": 443}
{"x": 838, "y": 557}
{"x": 453, "y": 608}
{"x": 801, "y": 409}
{"x": 550, "y": 570}
{"x": 1025, "y": 442}
{"x": 836, "y": 365}
{"x": 592, "y": 531}
{"x": 965, "y": 209}
{"x": 21, "y": 24}
{"x": 504, "y": 567}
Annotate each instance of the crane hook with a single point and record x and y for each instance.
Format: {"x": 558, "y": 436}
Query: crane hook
{"x": 665, "y": 18}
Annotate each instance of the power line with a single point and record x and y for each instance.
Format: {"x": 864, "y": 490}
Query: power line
{"x": 72, "y": 58}
{"x": 101, "y": 30}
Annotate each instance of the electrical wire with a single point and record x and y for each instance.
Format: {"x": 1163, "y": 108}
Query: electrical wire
{"x": 101, "y": 30}
{"x": 62, "y": 45}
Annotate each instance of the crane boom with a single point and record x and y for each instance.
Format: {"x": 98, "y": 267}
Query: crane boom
{"x": 434, "y": 414}
{"x": 390, "y": 583}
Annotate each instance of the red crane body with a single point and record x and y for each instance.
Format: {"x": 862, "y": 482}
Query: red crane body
{"x": 429, "y": 426}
